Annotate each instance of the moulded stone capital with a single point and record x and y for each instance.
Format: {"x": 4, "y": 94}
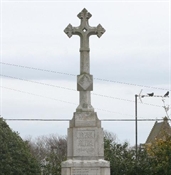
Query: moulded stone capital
{"x": 85, "y": 119}
{"x": 86, "y": 163}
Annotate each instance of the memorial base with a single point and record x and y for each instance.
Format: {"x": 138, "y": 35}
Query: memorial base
{"x": 85, "y": 167}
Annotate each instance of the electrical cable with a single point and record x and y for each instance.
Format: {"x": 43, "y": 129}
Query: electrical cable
{"x": 100, "y": 79}
{"x": 57, "y": 120}
{"x": 58, "y": 100}
{"x": 101, "y": 95}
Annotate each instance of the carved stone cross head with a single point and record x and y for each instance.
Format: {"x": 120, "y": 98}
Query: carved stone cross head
{"x": 84, "y": 30}
{"x": 84, "y": 80}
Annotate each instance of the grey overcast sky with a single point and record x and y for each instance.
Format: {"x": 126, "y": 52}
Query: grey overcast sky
{"x": 135, "y": 49}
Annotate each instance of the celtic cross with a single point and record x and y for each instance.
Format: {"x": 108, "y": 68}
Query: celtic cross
{"x": 84, "y": 80}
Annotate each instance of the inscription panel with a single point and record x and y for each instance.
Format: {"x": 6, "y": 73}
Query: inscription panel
{"x": 85, "y": 171}
{"x": 84, "y": 143}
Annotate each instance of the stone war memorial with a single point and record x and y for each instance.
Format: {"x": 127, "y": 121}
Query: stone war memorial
{"x": 85, "y": 144}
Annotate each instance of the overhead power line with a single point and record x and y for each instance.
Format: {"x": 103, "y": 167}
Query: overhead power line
{"x": 38, "y": 69}
{"x": 100, "y": 79}
{"x": 60, "y": 100}
{"x": 63, "y": 101}
{"x": 41, "y": 120}
{"x": 101, "y": 95}
{"x": 42, "y": 96}
{"x": 36, "y": 82}
{"x": 59, "y": 120}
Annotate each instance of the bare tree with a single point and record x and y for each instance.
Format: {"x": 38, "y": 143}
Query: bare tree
{"x": 50, "y": 151}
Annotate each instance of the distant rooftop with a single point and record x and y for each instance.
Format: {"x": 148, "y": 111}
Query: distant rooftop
{"x": 158, "y": 130}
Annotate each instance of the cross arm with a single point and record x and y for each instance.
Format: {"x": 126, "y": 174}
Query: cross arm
{"x": 99, "y": 30}
{"x": 70, "y": 30}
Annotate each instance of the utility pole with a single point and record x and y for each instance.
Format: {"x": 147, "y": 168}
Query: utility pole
{"x": 166, "y": 95}
{"x": 136, "y": 127}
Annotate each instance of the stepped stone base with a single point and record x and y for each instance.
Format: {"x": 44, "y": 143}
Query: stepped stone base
{"x": 85, "y": 167}
{"x": 85, "y": 150}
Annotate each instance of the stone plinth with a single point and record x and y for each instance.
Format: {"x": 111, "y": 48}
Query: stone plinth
{"x": 85, "y": 137}
{"x": 85, "y": 150}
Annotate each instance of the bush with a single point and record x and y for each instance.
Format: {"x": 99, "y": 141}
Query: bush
{"x": 15, "y": 157}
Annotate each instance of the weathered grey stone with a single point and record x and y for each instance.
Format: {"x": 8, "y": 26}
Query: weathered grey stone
{"x": 85, "y": 119}
{"x": 85, "y": 82}
{"x": 85, "y": 145}
{"x": 85, "y": 102}
{"x": 86, "y": 167}
{"x": 84, "y": 31}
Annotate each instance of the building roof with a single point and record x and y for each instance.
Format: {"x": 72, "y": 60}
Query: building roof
{"x": 158, "y": 130}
